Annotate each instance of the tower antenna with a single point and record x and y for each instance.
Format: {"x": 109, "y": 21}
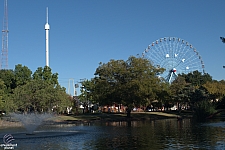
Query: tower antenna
{"x": 5, "y": 31}
{"x": 47, "y": 15}
{"x": 47, "y": 28}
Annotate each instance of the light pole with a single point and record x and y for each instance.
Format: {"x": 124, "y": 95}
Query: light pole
{"x": 75, "y": 86}
{"x": 223, "y": 40}
{"x": 83, "y": 88}
{"x": 83, "y": 92}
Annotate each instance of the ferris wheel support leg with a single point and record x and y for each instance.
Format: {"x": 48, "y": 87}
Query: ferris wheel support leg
{"x": 170, "y": 77}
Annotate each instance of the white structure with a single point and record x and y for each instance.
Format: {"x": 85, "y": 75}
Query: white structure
{"x": 74, "y": 90}
{"x": 47, "y": 27}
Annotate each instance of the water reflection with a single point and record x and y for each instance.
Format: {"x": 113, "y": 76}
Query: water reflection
{"x": 162, "y": 134}
{"x": 158, "y": 134}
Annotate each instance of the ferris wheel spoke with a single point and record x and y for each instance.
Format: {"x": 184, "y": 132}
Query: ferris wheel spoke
{"x": 161, "y": 52}
{"x": 177, "y": 47}
{"x": 191, "y": 57}
{"x": 183, "y": 52}
{"x": 191, "y": 63}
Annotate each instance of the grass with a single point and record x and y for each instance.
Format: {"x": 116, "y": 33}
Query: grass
{"x": 116, "y": 116}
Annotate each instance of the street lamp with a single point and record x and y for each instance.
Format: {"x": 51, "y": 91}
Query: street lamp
{"x": 223, "y": 40}
{"x": 76, "y": 86}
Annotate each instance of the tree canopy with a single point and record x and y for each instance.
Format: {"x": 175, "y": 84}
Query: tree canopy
{"x": 20, "y": 90}
{"x": 132, "y": 82}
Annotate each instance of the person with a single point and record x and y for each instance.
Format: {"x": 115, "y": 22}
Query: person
{"x": 108, "y": 109}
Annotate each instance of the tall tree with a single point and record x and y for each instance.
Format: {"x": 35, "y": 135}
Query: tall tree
{"x": 216, "y": 89}
{"x": 131, "y": 82}
{"x": 181, "y": 92}
{"x": 38, "y": 95}
{"x": 2, "y": 92}
{"x": 22, "y": 75}
{"x": 164, "y": 95}
{"x": 38, "y": 74}
{"x": 46, "y": 75}
{"x": 196, "y": 78}
{"x": 7, "y": 76}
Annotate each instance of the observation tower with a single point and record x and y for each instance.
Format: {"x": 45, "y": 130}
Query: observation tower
{"x": 47, "y": 28}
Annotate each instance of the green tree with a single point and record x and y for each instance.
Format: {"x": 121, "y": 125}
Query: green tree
{"x": 199, "y": 94}
{"x": 22, "y": 75}
{"x": 6, "y": 103}
{"x": 38, "y": 74}
{"x": 196, "y": 78}
{"x": 46, "y": 75}
{"x": 7, "y": 76}
{"x": 86, "y": 95}
{"x": 216, "y": 89}
{"x": 181, "y": 92}
{"x": 2, "y": 92}
{"x": 132, "y": 82}
{"x": 164, "y": 95}
{"x": 38, "y": 95}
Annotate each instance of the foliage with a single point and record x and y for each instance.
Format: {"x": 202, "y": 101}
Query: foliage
{"x": 216, "y": 89}
{"x": 221, "y": 104}
{"x": 194, "y": 89}
{"x": 39, "y": 95}
{"x": 2, "y": 89}
{"x": 199, "y": 94}
{"x": 131, "y": 83}
{"x": 196, "y": 78}
{"x": 86, "y": 94}
{"x": 22, "y": 75}
{"x": 46, "y": 75}
{"x": 179, "y": 91}
{"x": 203, "y": 109}
{"x": 20, "y": 90}
{"x": 134, "y": 82}
{"x": 7, "y": 76}
{"x": 6, "y": 103}
{"x": 164, "y": 95}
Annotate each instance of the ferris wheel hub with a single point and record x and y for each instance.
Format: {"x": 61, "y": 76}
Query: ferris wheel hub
{"x": 174, "y": 70}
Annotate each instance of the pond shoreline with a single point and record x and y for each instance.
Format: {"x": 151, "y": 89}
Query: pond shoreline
{"x": 104, "y": 117}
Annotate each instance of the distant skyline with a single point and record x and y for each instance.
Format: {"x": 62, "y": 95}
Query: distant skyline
{"x": 84, "y": 33}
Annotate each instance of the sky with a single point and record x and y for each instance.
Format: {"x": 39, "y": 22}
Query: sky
{"x": 86, "y": 32}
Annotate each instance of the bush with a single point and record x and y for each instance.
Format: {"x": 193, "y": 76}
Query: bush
{"x": 203, "y": 109}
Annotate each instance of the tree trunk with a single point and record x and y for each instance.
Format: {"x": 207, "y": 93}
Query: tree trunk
{"x": 128, "y": 112}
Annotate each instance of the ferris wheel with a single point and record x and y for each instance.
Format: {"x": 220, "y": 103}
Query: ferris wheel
{"x": 175, "y": 55}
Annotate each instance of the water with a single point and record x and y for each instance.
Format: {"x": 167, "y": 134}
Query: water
{"x": 141, "y": 135}
{"x": 32, "y": 120}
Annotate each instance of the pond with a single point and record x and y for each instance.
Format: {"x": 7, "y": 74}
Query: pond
{"x": 158, "y": 134}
